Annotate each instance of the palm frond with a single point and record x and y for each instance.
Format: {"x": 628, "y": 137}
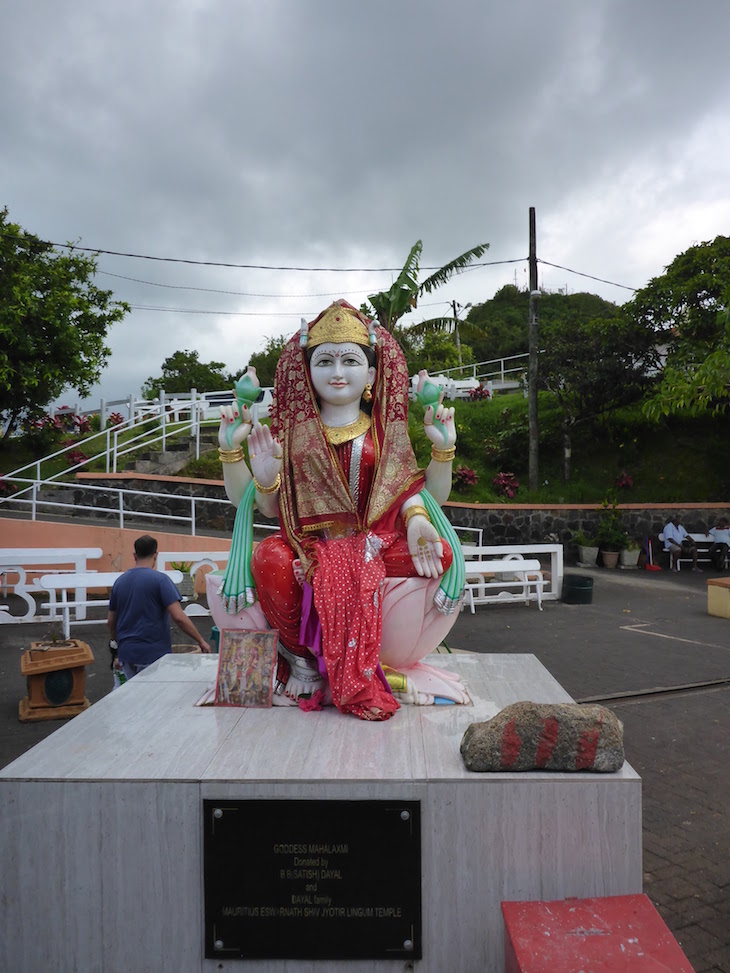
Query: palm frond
{"x": 432, "y": 325}
{"x": 408, "y": 277}
{"x": 448, "y": 270}
{"x": 402, "y": 295}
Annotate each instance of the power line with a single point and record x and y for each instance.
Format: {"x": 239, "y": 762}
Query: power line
{"x": 238, "y": 314}
{"x": 241, "y": 314}
{"x": 217, "y": 263}
{"x": 309, "y": 270}
{"x": 602, "y": 280}
{"x": 217, "y": 290}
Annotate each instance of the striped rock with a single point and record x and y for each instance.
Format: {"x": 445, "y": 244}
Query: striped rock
{"x": 546, "y": 736}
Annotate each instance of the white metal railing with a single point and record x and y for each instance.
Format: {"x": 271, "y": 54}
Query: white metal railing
{"x": 147, "y": 420}
{"x": 156, "y": 421}
{"x": 497, "y": 370}
{"x": 150, "y": 423}
{"x": 121, "y": 508}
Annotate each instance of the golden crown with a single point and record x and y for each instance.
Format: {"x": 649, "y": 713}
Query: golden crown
{"x": 337, "y": 325}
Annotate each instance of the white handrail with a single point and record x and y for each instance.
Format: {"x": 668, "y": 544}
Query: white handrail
{"x": 120, "y": 509}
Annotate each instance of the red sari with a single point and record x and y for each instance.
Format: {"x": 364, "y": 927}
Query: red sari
{"x": 348, "y": 536}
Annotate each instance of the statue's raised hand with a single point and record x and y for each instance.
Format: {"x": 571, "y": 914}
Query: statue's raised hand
{"x": 264, "y": 455}
{"x": 439, "y": 425}
{"x": 236, "y": 419}
{"x": 235, "y": 426}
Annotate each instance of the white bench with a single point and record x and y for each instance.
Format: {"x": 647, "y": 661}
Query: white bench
{"x": 36, "y": 560}
{"x": 703, "y": 543}
{"x": 78, "y": 583}
{"x": 488, "y": 581}
{"x": 553, "y": 583}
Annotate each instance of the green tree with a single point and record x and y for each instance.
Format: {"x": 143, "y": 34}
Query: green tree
{"x": 184, "y": 371}
{"x": 682, "y": 305}
{"x": 697, "y": 387}
{"x": 437, "y": 352}
{"x": 390, "y": 306}
{"x": 593, "y": 365}
{"x": 688, "y": 309}
{"x": 501, "y": 324}
{"x": 265, "y": 361}
{"x": 53, "y": 323}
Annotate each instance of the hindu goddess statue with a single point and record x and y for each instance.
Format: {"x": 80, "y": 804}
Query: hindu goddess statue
{"x": 365, "y": 576}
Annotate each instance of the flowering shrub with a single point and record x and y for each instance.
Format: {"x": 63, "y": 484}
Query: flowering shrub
{"x": 479, "y": 393}
{"x": 64, "y": 419}
{"x": 624, "y": 481}
{"x": 75, "y": 456}
{"x": 506, "y": 483}
{"x": 465, "y": 478}
{"x": 82, "y": 424}
{"x": 43, "y": 433}
{"x": 6, "y": 487}
{"x": 46, "y": 422}
{"x": 115, "y": 419}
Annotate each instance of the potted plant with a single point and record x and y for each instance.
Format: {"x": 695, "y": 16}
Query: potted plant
{"x": 611, "y": 534}
{"x": 629, "y": 557}
{"x": 587, "y": 548}
{"x": 187, "y": 585}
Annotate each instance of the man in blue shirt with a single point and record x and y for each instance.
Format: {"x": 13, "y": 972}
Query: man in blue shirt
{"x": 141, "y": 604}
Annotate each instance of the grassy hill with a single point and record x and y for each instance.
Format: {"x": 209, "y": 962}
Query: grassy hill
{"x": 678, "y": 460}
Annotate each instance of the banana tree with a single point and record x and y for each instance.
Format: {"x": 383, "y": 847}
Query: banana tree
{"x": 389, "y": 306}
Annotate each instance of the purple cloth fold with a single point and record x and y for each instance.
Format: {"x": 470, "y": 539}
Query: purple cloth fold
{"x": 310, "y": 629}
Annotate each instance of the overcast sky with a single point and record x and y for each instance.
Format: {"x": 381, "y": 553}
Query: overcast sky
{"x": 335, "y": 133}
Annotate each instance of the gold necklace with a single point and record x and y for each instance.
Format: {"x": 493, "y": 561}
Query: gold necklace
{"x": 337, "y": 435}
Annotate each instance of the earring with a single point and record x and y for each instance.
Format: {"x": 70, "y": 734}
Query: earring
{"x": 368, "y": 393}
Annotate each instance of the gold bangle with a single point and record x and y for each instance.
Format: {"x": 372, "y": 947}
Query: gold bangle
{"x": 230, "y": 455}
{"x": 414, "y": 511}
{"x": 443, "y": 455}
{"x": 269, "y": 489}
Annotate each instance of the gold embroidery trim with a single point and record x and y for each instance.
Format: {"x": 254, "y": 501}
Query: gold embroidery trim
{"x": 308, "y": 528}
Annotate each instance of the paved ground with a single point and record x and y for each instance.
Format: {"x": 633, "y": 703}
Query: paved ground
{"x": 646, "y": 639}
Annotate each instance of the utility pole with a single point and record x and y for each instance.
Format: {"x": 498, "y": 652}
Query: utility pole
{"x": 456, "y": 333}
{"x": 532, "y": 366}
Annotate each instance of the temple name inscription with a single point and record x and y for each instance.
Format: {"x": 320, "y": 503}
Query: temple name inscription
{"x": 346, "y": 885}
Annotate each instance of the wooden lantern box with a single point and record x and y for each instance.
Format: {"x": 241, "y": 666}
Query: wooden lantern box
{"x": 56, "y": 677}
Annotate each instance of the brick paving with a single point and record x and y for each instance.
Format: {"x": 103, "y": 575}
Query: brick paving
{"x": 678, "y": 742}
{"x": 642, "y": 632}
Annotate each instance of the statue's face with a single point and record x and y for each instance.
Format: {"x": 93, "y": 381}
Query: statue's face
{"x": 340, "y": 373}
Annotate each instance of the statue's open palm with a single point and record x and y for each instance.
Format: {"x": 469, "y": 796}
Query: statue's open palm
{"x": 264, "y": 455}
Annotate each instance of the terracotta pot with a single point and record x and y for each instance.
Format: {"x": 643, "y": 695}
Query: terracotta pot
{"x": 609, "y": 558}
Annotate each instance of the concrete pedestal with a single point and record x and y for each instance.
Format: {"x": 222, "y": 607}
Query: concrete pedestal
{"x": 101, "y": 847}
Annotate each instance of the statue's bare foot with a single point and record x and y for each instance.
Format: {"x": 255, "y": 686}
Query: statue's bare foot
{"x": 425, "y": 684}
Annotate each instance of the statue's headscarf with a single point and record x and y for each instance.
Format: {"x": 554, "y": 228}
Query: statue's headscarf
{"x": 314, "y": 493}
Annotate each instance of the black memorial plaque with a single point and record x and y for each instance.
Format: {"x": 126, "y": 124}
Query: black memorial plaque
{"x": 312, "y": 879}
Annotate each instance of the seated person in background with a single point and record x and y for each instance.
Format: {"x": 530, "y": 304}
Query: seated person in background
{"x": 678, "y": 542}
{"x": 720, "y": 535}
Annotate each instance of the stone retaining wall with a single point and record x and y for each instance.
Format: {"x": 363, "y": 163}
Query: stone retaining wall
{"x": 521, "y": 524}
{"x": 500, "y": 523}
